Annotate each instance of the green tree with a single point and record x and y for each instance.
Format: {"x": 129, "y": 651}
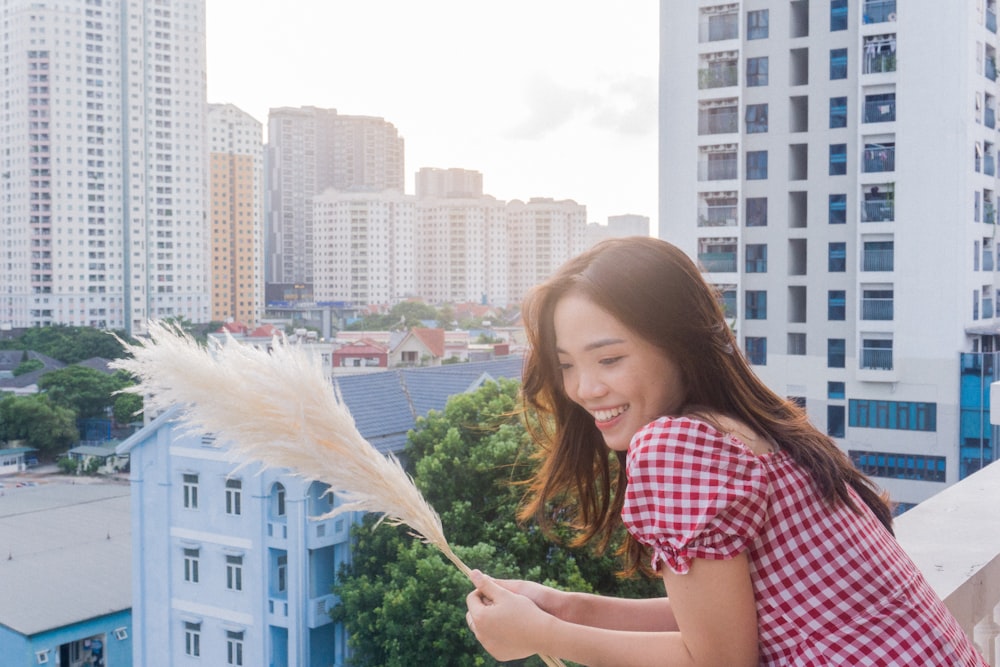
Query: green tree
{"x": 127, "y": 408}
{"x": 28, "y": 366}
{"x": 401, "y": 601}
{"x": 88, "y": 392}
{"x": 69, "y": 344}
{"x": 35, "y": 419}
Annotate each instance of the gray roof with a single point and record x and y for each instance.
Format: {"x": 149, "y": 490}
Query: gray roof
{"x": 65, "y": 554}
{"x": 385, "y": 405}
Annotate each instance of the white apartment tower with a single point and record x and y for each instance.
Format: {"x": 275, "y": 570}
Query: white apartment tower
{"x": 363, "y": 246}
{"x": 236, "y": 177}
{"x": 461, "y": 239}
{"x": 543, "y": 233}
{"x": 310, "y": 150}
{"x": 860, "y": 282}
{"x": 102, "y": 163}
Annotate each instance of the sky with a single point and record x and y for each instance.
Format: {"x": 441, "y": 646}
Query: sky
{"x": 546, "y": 98}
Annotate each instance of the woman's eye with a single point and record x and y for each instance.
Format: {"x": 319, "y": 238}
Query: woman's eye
{"x": 610, "y": 360}
{"x": 565, "y": 366}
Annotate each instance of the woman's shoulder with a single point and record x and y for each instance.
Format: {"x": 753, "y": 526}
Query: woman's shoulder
{"x": 706, "y": 428}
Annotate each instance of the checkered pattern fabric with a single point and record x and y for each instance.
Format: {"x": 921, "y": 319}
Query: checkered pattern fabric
{"x": 832, "y": 587}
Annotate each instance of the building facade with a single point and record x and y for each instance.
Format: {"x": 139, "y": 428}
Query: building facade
{"x": 363, "y": 246}
{"x": 543, "y": 233}
{"x": 860, "y": 283}
{"x": 461, "y": 239}
{"x": 309, "y": 150}
{"x": 236, "y": 186}
{"x": 102, "y": 163}
{"x": 228, "y": 567}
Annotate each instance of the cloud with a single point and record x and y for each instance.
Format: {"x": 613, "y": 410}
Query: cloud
{"x": 627, "y": 107}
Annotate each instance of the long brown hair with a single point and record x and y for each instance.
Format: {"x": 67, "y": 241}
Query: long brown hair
{"x": 653, "y": 288}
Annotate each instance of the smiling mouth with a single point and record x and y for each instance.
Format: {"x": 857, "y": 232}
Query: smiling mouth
{"x": 602, "y": 416}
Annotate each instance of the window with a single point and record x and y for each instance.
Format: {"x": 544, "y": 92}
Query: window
{"x": 727, "y": 298}
{"x": 838, "y": 112}
{"x": 191, "y": 491}
{"x": 234, "y": 573}
{"x": 836, "y": 390}
{"x": 756, "y": 118}
{"x": 282, "y": 573}
{"x": 756, "y": 258}
{"x": 756, "y": 304}
{"x": 279, "y": 501}
{"x": 836, "y": 352}
{"x": 234, "y": 497}
{"x": 796, "y": 344}
{"x": 756, "y": 71}
{"x": 757, "y": 212}
{"x": 838, "y": 159}
{"x": 234, "y": 648}
{"x": 838, "y": 15}
{"x": 838, "y": 64}
{"x": 835, "y": 418}
{"x": 836, "y": 305}
{"x": 895, "y": 415}
{"x": 880, "y": 108}
{"x": 756, "y": 348}
{"x": 191, "y": 565}
{"x": 192, "y": 639}
{"x": 837, "y": 209}
{"x": 757, "y": 24}
{"x": 837, "y": 257}
{"x": 756, "y": 165}
{"x": 900, "y": 466}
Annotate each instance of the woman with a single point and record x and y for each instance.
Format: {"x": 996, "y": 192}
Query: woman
{"x": 773, "y": 548}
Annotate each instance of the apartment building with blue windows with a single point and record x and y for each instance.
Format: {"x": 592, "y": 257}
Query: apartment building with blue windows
{"x": 832, "y": 167}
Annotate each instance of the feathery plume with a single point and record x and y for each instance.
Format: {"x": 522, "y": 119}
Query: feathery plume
{"x": 276, "y": 407}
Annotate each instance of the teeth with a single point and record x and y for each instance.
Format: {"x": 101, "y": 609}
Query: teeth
{"x": 608, "y": 415}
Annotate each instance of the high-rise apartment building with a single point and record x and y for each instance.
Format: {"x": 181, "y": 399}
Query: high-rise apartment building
{"x": 363, "y": 246}
{"x": 102, "y": 163}
{"x": 310, "y": 150}
{"x": 543, "y": 233}
{"x": 618, "y": 226}
{"x": 236, "y": 185}
{"x": 461, "y": 239}
{"x": 860, "y": 283}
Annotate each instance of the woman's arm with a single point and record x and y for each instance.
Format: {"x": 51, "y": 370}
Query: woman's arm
{"x": 597, "y": 611}
{"x": 713, "y": 605}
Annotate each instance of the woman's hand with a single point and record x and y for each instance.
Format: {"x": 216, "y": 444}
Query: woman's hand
{"x": 506, "y": 623}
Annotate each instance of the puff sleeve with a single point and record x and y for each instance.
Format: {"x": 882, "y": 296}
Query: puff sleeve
{"x": 693, "y": 492}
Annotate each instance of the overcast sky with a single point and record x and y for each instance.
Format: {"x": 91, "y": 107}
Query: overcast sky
{"x": 547, "y": 98}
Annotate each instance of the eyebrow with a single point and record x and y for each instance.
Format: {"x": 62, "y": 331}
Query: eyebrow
{"x": 604, "y": 342}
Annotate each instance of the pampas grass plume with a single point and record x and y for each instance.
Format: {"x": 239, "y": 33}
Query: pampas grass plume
{"x": 276, "y": 407}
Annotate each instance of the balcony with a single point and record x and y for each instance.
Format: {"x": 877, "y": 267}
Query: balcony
{"x": 879, "y": 11}
{"x": 954, "y": 539}
{"x": 878, "y": 158}
{"x": 878, "y": 259}
{"x": 721, "y": 168}
{"x": 878, "y": 308}
{"x": 878, "y": 359}
{"x": 880, "y": 110}
{"x": 717, "y": 216}
{"x": 718, "y": 262}
{"x": 878, "y": 210}
{"x": 880, "y": 62}
{"x": 718, "y": 75}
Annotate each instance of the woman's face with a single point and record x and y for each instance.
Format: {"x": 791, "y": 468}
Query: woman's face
{"x": 621, "y": 379}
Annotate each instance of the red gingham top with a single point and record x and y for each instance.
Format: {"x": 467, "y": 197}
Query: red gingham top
{"x": 832, "y": 587}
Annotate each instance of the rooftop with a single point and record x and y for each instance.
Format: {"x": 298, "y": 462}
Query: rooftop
{"x": 65, "y": 554}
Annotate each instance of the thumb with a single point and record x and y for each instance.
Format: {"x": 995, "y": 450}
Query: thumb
{"x": 485, "y": 584}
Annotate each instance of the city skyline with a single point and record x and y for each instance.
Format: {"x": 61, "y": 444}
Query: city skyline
{"x": 557, "y": 100}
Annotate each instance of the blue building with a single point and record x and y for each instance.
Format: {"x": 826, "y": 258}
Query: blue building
{"x": 66, "y": 593}
{"x": 229, "y": 565}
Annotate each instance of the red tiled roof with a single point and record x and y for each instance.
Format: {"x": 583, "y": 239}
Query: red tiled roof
{"x": 433, "y": 339}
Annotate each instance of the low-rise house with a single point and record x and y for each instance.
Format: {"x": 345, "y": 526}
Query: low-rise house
{"x": 66, "y": 552}
{"x": 105, "y": 457}
{"x": 16, "y": 459}
{"x": 361, "y": 354}
{"x": 420, "y": 346}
